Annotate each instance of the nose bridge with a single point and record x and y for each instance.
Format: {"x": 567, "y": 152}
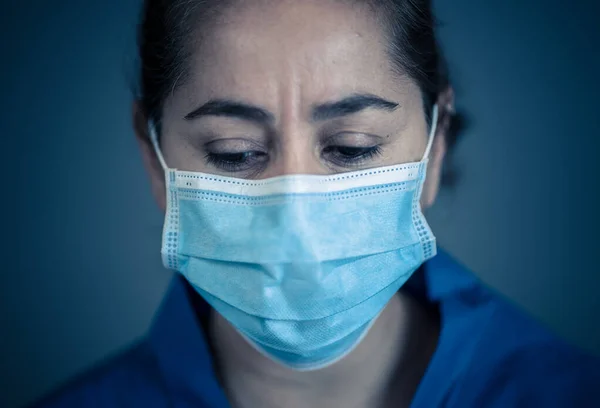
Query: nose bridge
{"x": 297, "y": 144}
{"x": 297, "y": 151}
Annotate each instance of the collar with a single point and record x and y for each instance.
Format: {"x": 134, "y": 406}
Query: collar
{"x": 445, "y": 277}
{"x": 179, "y": 341}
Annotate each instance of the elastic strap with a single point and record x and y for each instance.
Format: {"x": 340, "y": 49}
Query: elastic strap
{"x": 434, "y": 121}
{"x": 154, "y": 140}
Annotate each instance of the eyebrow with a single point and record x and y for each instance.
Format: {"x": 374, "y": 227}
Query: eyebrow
{"x": 226, "y": 107}
{"x": 344, "y": 107}
{"x": 350, "y": 105}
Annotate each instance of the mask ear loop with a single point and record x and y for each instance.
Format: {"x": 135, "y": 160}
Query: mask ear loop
{"x": 154, "y": 140}
{"x": 434, "y": 121}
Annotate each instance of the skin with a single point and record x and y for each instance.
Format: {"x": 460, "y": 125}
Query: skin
{"x": 287, "y": 58}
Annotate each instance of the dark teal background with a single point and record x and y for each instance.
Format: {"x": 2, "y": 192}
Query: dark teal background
{"x": 81, "y": 274}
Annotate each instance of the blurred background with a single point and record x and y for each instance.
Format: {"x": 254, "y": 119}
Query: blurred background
{"x": 82, "y": 276}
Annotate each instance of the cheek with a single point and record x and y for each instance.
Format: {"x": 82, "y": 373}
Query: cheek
{"x": 179, "y": 148}
{"x": 434, "y": 175}
{"x": 409, "y": 133}
{"x": 429, "y": 191}
{"x": 156, "y": 175}
{"x": 408, "y": 147}
{"x": 183, "y": 154}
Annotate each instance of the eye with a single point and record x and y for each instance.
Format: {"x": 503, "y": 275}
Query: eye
{"x": 237, "y": 161}
{"x": 350, "y": 155}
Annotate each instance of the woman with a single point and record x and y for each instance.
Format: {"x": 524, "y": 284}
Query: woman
{"x": 293, "y": 146}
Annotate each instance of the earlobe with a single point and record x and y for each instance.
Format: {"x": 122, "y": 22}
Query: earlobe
{"x": 149, "y": 157}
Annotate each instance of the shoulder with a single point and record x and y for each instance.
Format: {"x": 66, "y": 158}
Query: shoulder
{"x": 518, "y": 362}
{"x": 131, "y": 378}
{"x": 493, "y": 354}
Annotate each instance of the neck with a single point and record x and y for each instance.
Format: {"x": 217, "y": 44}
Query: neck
{"x": 362, "y": 378}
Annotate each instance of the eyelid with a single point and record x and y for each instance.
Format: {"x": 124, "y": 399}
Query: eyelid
{"x": 365, "y": 139}
{"x": 225, "y": 145}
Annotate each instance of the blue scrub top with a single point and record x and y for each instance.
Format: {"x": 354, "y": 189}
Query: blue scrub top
{"x": 489, "y": 354}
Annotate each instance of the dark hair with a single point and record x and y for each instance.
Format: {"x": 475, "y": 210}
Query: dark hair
{"x": 167, "y": 26}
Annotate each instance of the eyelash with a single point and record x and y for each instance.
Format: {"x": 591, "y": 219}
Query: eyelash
{"x": 360, "y": 155}
{"x": 235, "y": 162}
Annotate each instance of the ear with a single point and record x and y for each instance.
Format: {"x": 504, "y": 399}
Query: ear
{"x": 149, "y": 157}
{"x": 438, "y": 150}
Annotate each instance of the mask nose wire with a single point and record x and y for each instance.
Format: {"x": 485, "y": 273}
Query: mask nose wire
{"x": 154, "y": 140}
{"x": 434, "y": 121}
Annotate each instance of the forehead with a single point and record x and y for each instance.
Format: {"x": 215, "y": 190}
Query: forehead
{"x": 278, "y": 53}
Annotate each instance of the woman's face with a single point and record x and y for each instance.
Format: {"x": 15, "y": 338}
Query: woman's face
{"x": 288, "y": 87}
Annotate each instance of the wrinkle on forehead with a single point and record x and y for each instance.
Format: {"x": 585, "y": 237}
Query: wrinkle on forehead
{"x": 267, "y": 51}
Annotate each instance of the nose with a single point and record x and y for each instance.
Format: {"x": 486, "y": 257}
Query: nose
{"x": 295, "y": 152}
{"x": 295, "y": 160}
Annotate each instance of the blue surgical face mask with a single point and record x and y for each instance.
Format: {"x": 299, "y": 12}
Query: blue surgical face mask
{"x": 300, "y": 265}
